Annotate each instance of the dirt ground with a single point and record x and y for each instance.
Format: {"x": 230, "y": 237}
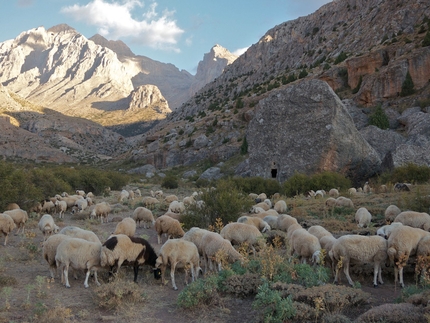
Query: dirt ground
{"x": 27, "y": 293}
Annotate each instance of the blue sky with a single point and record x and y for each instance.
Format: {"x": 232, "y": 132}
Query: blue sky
{"x": 170, "y": 31}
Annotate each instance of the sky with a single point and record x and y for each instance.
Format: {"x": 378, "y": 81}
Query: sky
{"x": 170, "y": 31}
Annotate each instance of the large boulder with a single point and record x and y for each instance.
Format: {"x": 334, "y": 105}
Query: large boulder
{"x": 305, "y": 128}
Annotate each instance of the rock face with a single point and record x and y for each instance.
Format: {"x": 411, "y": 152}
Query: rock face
{"x": 306, "y": 129}
{"x": 148, "y": 97}
{"x": 212, "y": 66}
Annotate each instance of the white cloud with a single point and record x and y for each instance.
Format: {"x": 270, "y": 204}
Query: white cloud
{"x": 240, "y": 51}
{"x": 114, "y": 20}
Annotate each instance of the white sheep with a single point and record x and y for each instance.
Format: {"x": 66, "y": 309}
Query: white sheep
{"x": 150, "y": 201}
{"x": 262, "y": 214}
{"x": 61, "y": 207}
{"x": 195, "y": 235}
{"x": 262, "y": 196}
{"x": 366, "y": 188}
{"x": 6, "y": 225}
{"x": 135, "y": 251}
{"x": 127, "y": 226}
{"x": 12, "y": 206}
{"x": 352, "y": 191}
{"x": 260, "y": 224}
{"x": 262, "y": 205}
{"x": 78, "y": 254}
{"x": 142, "y": 214}
{"x": 252, "y": 196}
{"x": 280, "y": 206}
{"x": 76, "y": 232}
{"x": 214, "y": 246}
{"x": 272, "y": 221}
{"x": 402, "y": 243}
{"x": 385, "y": 230}
{"x": 49, "y": 250}
{"x": 131, "y": 194}
{"x": 330, "y": 202}
{"x": 364, "y": 249}
{"x": 391, "y": 212}
{"x": 80, "y": 192}
{"x": 342, "y": 201}
{"x": 320, "y": 193}
{"x": 319, "y": 231}
{"x": 188, "y": 200}
{"x": 178, "y": 253}
{"x": 306, "y": 246}
{"x": 414, "y": 219}
{"x": 333, "y": 192}
{"x": 238, "y": 233}
{"x": 48, "y": 206}
{"x": 285, "y": 221}
{"x": 137, "y": 192}
{"x": 268, "y": 202}
{"x": 20, "y": 217}
{"x": 47, "y": 226}
{"x": 101, "y": 210}
{"x": 170, "y": 198}
{"x": 81, "y": 204}
{"x": 124, "y": 195}
{"x": 176, "y": 207}
{"x": 70, "y": 200}
{"x": 291, "y": 230}
{"x": 90, "y": 195}
{"x": 363, "y": 217}
{"x": 171, "y": 227}
{"x": 157, "y": 194}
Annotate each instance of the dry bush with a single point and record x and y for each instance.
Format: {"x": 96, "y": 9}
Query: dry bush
{"x": 335, "y": 298}
{"x": 7, "y": 281}
{"x": 58, "y": 314}
{"x": 118, "y": 295}
{"x": 394, "y": 313}
{"x": 288, "y": 289}
{"x": 242, "y": 285}
{"x": 304, "y": 312}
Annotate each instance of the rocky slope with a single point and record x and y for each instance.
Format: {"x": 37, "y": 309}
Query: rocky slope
{"x": 362, "y": 49}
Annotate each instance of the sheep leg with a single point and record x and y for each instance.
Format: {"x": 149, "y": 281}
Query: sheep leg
{"x": 95, "y": 278}
{"x": 396, "y": 274}
{"x": 346, "y": 271}
{"x": 163, "y": 270}
{"x": 380, "y": 274}
{"x": 136, "y": 271}
{"x": 87, "y": 275}
{"x": 193, "y": 273}
{"x": 401, "y": 277}
{"x": 5, "y": 239}
{"x": 66, "y": 275}
{"x": 336, "y": 276}
{"x": 172, "y": 275}
{"x": 159, "y": 238}
{"x": 375, "y": 274}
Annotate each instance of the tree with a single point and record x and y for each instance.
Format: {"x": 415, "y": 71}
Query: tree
{"x": 379, "y": 118}
{"x": 407, "y": 86}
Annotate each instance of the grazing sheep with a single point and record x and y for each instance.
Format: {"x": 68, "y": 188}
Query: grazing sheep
{"x": 327, "y": 242}
{"x": 383, "y": 188}
{"x": 178, "y": 252}
{"x": 253, "y": 196}
{"x": 189, "y": 200}
{"x": 401, "y": 187}
{"x": 333, "y": 192}
{"x": 215, "y": 247}
{"x": 78, "y": 254}
{"x": 344, "y": 202}
{"x": 127, "y": 226}
{"x": 366, "y": 188}
{"x": 157, "y": 194}
{"x": 195, "y": 236}
{"x": 101, "y": 210}
{"x": 291, "y": 230}
{"x": 47, "y": 226}
{"x": 391, "y": 212}
{"x": 142, "y": 214}
{"x": 35, "y": 208}
{"x": 260, "y": 224}
{"x": 320, "y": 193}
{"x": 80, "y": 192}
{"x": 20, "y": 217}
{"x": 262, "y": 196}
{"x": 47, "y": 206}
{"x": 122, "y": 249}
{"x": 330, "y": 202}
{"x": 268, "y": 202}
{"x": 402, "y": 243}
{"x": 76, "y": 232}
{"x": 262, "y": 214}
{"x": 80, "y": 204}
{"x": 137, "y": 192}
{"x": 176, "y": 216}
{"x": 319, "y": 231}
{"x": 170, "y": 198}
{"x": 61, "y": 207}
{"x": 272, "y": 221}
{"x": 363, "y": 217}
{"x": 306, "y": 246}
{"x": 385, "y": 230}
{"x": 49, "y": 251}
{"x": 6, "y": 225}
{"x": 12, "y": 206}
{"x": 365, "y": 249}
{"x": 150, "y": 202}
{"x": 70, "y": 200}
{"x": 131, "y": 194}
{"x": 238, "y": 233}
{"x": 261, "y": 205}
{"x": 90, "y": 195}
{"x": 414, "y": 219}
{"x": 352, "y": 191}
{"x": 280, "y": 206}
{"x": 168, "y": 225}
{"x": 176, "y": 207}
{"x": 285, "y": 221}
{"x": 124, "y": 195}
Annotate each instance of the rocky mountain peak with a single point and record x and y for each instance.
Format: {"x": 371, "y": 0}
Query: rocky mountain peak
{"x": 118, "y": 46}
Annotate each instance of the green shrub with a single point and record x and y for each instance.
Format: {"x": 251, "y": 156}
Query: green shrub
{"x": 244, "y": 147}
{"x": 379, "y": 119}
{"x": 201, "y": 292}
{"x": 303, "y": 73}
{"x": 329, "y": 180}
{"x": 257, "y": 185}
{"x": 297, "y": 184}
{"x": 274, "y": 308}
{"x": 411, "y": 173}
{"x": 169, "y": 182}
{"x": 407, "y": 86}
{"x": 340, "y": 58}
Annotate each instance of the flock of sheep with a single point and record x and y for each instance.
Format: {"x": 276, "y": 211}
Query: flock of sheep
{"x": 406, "y": 234}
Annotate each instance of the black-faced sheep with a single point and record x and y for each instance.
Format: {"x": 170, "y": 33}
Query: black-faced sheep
{"x": 365, "y": 249}
{"x": 20, "y": 217}
{"x": 178, "y": 253}
{"x": 78, "y": 254}
{"x": 6, "y": 225}
{"x": 171, "y": 227}
{"x": 142, "y": 214}
{"x": 134, "y": 251}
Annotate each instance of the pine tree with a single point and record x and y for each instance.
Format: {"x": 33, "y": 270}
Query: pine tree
{"x": 407, "y": 86}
